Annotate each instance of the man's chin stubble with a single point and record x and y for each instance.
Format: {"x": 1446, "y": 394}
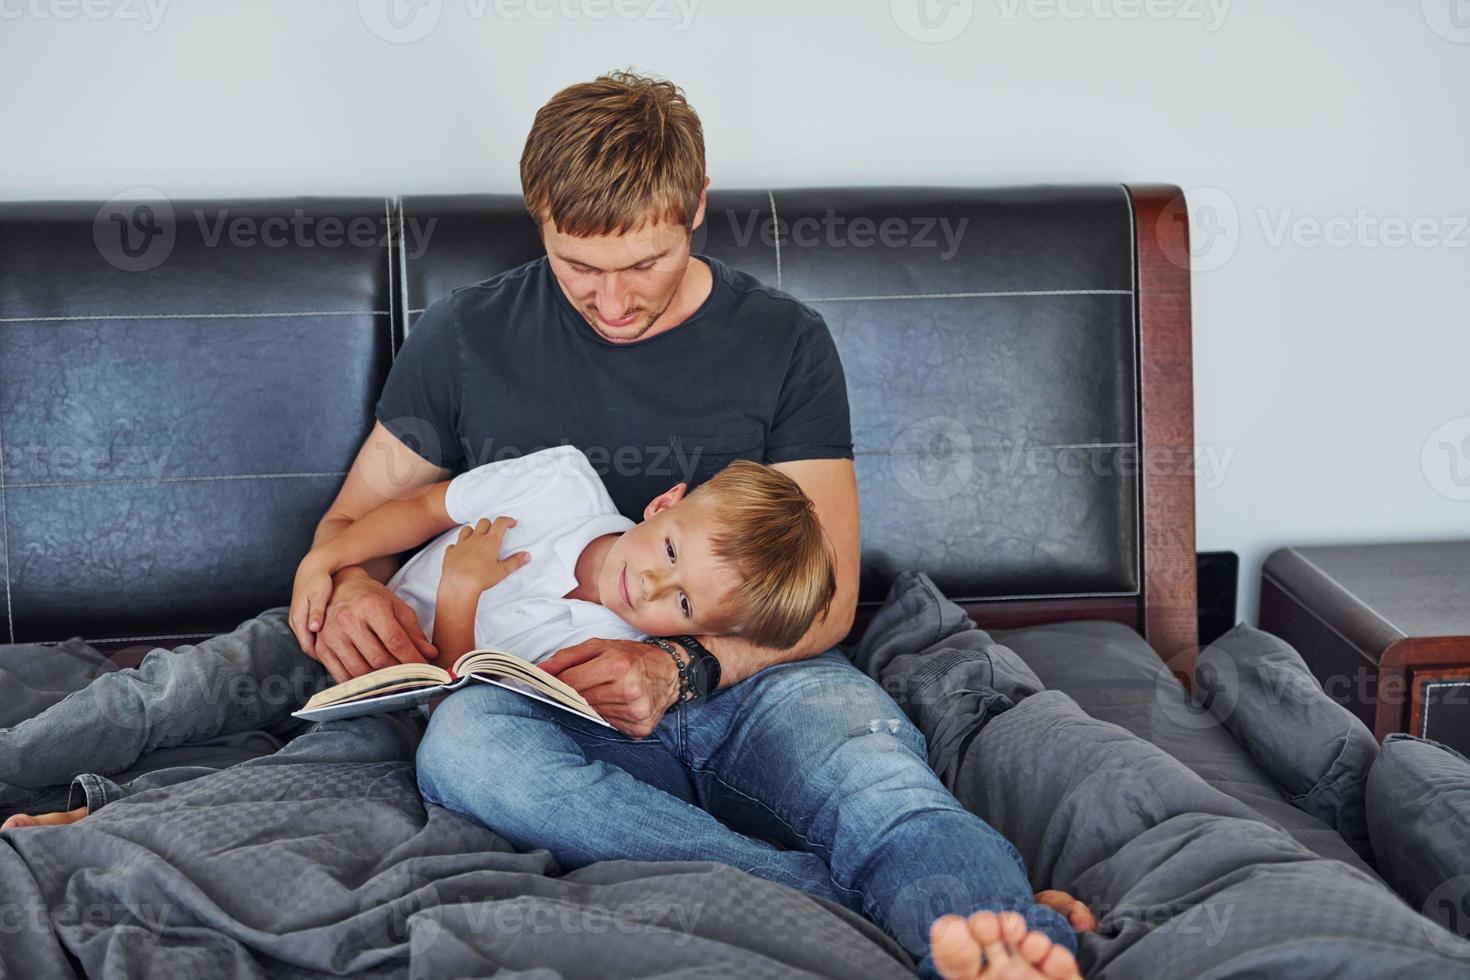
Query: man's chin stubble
{"x": 596, "y": 325}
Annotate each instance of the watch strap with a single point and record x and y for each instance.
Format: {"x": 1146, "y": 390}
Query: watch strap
{"x": 704, "y": 667}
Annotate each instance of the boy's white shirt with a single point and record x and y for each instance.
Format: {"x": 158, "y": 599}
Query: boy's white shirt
{"x": 560, "y": 505}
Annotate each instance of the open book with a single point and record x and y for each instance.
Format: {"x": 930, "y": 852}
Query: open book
{"x": 405, "y": 685}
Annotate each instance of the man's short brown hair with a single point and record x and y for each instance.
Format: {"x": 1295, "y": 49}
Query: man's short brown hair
{"x": 769, "y": 535}
{"x": 606, "y": 156}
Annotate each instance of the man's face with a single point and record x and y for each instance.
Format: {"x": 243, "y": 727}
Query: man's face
{"x": 663, "y": 577}
{"x": 621, "y": 284}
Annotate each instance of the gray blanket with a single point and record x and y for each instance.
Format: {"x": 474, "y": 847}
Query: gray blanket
{"x": 340, "y": 869}
{"x": 316, "y": 870}
{"x": 1186, "y": 880}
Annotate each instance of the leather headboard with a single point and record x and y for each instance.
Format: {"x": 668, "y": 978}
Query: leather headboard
{"x": 990, "y": 340}
{"x": 177, "y": 416}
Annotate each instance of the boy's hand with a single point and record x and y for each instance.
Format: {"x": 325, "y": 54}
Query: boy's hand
{"x": 309, "y": 596}
{"x": 473, "y": 563}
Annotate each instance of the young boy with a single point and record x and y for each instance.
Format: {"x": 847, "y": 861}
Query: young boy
{"x": 742, "y": 554}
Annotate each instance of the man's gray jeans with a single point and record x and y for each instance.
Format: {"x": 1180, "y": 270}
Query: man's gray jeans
{"x": 181, "y": 713}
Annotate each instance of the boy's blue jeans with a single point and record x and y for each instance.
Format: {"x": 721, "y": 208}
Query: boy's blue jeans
{"x": 807, "y": 774}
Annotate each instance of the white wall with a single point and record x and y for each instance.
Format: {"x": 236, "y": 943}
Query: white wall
{"x": 1321, "y": 370}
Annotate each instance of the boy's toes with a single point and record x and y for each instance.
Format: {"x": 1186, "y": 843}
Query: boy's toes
{"x": 1046, "y": 958}
{"x": 953, "y": 949}
{"x": 45, "y": 819}
{"x": 1078, "y": 915}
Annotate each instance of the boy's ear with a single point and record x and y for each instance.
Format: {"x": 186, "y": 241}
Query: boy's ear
{"x": 665, "y": 500}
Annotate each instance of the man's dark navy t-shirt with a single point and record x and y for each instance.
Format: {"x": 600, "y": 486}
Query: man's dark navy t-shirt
{"x": 508, "y": 366}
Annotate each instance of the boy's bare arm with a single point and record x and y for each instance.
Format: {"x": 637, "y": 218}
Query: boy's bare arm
{"x": 379, "y": 570}
{"x": 391, "y": 527}
{"x": 454, "y": 623}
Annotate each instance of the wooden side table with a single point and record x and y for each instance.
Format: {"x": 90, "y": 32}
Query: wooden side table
{"x": 1385, "y": 628}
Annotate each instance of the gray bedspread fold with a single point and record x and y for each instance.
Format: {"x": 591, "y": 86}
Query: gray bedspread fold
{"x": 340, "y": 869}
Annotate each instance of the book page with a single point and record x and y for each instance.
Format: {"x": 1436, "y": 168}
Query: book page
{"x": 499, "y": 663}
{"x": 584, "y": 710}
{"x": 418, "y": 675}
{"x": 375, "y": 704}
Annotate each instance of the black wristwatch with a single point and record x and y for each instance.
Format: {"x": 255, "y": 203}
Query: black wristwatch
{"x": 704, "y": 667}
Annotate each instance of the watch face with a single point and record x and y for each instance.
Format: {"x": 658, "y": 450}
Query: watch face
{"x": 707, "y": 674}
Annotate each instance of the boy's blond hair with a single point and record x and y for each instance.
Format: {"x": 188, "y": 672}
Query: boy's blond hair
{"x": 606, "y": 156}
{"x": 769, "y": 535}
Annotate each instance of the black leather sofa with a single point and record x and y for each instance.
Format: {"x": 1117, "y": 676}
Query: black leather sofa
{"x": 183, "y": 385}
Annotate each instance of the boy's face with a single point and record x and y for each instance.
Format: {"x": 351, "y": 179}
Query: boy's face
{"x": 621, "y": 284}
{"x": 662, "y": 576}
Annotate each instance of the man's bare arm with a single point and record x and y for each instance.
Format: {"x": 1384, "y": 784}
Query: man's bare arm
{"x": 366, "y": 626}
{"x": 832, "y": 486}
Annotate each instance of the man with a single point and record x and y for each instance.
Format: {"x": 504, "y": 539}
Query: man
{"x": 623, "y": 343}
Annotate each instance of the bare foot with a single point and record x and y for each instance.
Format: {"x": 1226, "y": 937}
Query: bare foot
{"x": 1078, "y": 916}
{"x": 1009, "y": 951}
{"x": 44, "y": 819}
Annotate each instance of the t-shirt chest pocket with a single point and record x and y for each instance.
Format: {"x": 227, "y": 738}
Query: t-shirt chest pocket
{"x": 696, "y": 457}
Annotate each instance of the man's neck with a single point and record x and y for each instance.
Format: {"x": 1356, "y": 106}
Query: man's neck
{"x": 694, "y": 288}
{"x": 589, "y": 567}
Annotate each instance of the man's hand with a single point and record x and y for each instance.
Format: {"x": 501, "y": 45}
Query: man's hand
{"x": 629, "y": 682}
{"x": 366, "y": 627}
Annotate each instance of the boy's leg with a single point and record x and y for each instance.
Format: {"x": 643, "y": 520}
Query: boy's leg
{"x": 250, "y": 678}
{"x": 370, "y": 738}
{"x": 541, "y": 778}
{"x": 814, "y": 754}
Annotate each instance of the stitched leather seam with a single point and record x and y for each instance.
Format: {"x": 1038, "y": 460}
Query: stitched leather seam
{"x": 1132, "y": 291}
{"x": 191, "y": 316}
{"x": 1428, "y": 685}
{"x": 977, "y": 450}
{"x": 776, "y": 231}
{"x": 120, "y": 639}
{"x": 1039, "y": 595}
{"x": 172, "y": 479}
{"x": 5, "y": 536}
{"x": 388, "y": 250}
{"x": 996, "y": 294}
{"x": 403, "y": 272}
